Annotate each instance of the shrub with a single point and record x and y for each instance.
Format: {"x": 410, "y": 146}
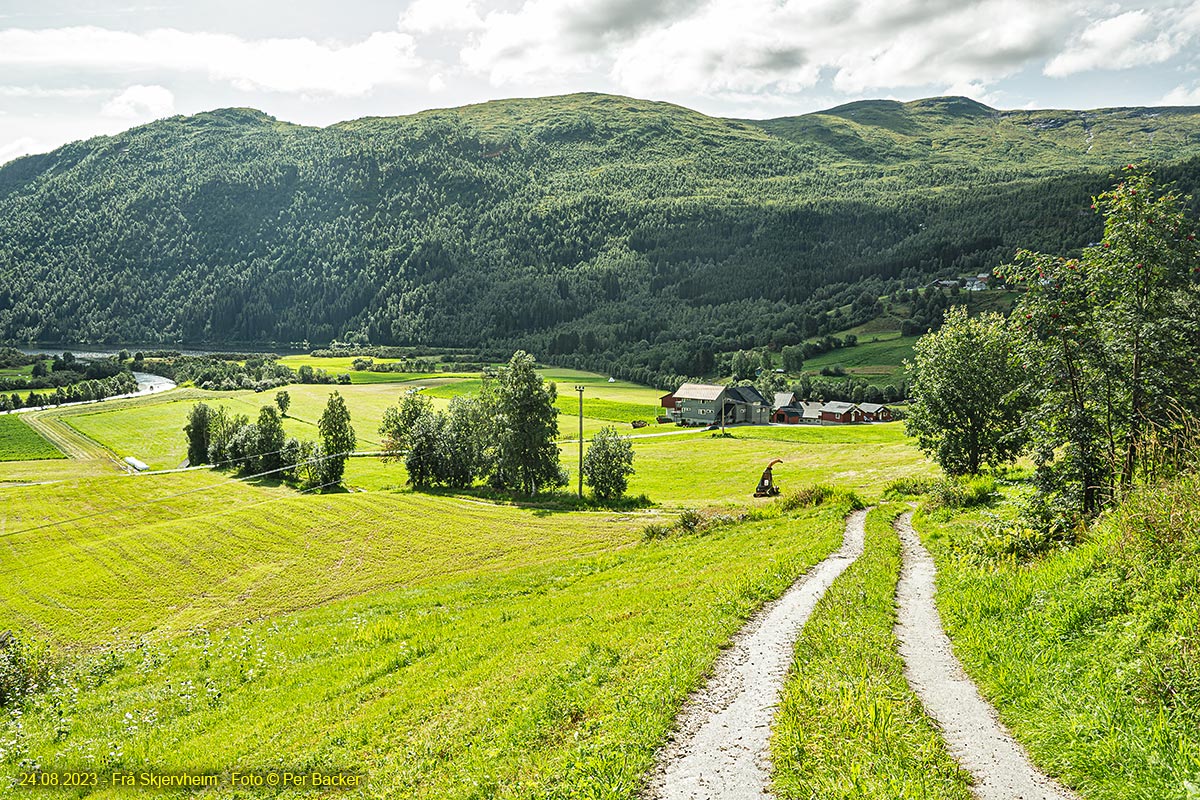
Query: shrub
{"x": 690, "y": 520}
{"x": 655, "y": 530}
{"x": 907, "y": 487}
{"x": 24, "y": 667}
{"x": 961, "y": 493}
{"x": 819, "y": 494}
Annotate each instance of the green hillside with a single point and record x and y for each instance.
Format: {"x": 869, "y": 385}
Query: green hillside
{"x": 602, "y": 232}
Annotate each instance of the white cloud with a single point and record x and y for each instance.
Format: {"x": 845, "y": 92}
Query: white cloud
{"x": 1126, "y": 40}
{"x": 20, "y": 147}
{"x": 740, "y": 47}
{"x": 39, "y": 93}
{"x": 428, "y": 16}
{"x": 282, "y": 65}
{"x": 141, "y": 103}
{"x": 1183, "y": 96}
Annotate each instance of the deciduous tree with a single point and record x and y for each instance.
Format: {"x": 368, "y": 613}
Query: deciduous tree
{"x": 608, "y": 465}
{"x": 967, "y": 388}
{"x": 337, "y": 438}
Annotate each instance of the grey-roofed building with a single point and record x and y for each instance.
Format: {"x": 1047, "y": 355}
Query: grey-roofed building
{"x": 875, "y": 412}
{"x": 704, "y": 404}
{"x": 784, "y": 400}
{"x": 699, "y": 403}
{"x": 748, "y": 405}
{"x": 839, "y": 412}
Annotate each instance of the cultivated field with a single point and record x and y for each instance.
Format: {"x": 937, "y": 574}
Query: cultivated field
{"x": 20, "y": 442}
{"x": 437, "y": 644}
{"x": 442, "y": 644}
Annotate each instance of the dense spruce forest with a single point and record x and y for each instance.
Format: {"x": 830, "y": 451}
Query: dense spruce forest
{"x": 631, "y": 236}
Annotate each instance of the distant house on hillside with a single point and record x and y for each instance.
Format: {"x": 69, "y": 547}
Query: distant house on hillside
{"x": 840, "y": 413}
{"x": 707, "y": 404}
{"x": 976, "y": 283}
{"x": 875, "y": 412}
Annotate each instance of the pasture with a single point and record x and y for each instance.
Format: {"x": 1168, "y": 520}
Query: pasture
{"x": 877, "y": 358}
{"x": 445, "y": 645}
{"x": 438, "y": 646}
{"x": 20, "y": 442}
{"x": 151, "y": 428}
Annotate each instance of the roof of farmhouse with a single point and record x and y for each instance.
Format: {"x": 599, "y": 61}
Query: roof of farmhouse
{"x": 699, "y": 391}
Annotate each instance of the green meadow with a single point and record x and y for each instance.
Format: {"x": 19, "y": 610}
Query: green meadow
{"x": 879, "y": 358}
{"x": 1087, "y": 651}
{"x": 444, "y": 649}
{"x": 445, "y": 644}
{"x": 20, "y": 442}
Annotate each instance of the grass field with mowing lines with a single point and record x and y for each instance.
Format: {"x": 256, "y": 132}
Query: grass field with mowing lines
{"x": 19, "y": 442}
{"x": 849, "y": 727}
{"x": 553, "y": 674}
{"x": 240, "y": 552}
{"x": 450, "y": 647}
{"x": 335, "y": 365}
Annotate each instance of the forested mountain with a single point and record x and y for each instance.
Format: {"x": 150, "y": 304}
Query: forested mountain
{"x": 586, "y": 227}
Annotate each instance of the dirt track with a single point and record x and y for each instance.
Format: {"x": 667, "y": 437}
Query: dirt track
{"x": 720, "y": 750}
{"x": 974, "y": 735}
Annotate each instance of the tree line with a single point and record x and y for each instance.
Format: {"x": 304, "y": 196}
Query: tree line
{"x": 262, "y": 449}
{"x": 506, "y": 437}
{"x": 1094, "y": 375}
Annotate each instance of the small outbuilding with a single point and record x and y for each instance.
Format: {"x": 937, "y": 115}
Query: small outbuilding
{"x": 875, "y": 412}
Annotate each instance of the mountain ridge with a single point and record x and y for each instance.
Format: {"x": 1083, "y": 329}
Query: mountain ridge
{"x": 606, "y": 230}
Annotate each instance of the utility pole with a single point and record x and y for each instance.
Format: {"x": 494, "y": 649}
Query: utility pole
{"x": 579, "y": 388}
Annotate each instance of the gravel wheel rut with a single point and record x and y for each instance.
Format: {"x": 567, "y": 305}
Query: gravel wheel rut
{"x": 974, "y": 735}
{"x": 720, "y": 749}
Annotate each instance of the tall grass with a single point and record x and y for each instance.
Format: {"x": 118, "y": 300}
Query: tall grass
{"x": 1089, "y": 652}
{"x": 848, "y": 725}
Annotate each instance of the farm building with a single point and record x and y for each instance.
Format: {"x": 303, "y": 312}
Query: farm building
{"x": 797, "y": 413}
{"x": 704, "y": 404}
{"x": 839, "y": 412}
{"x": 785, "y": 400}
{"x": 697, "y": 403}
{"x": 668, "y": 401}
{"x": 875, "y": 412}
{"x": 746, "y": 404}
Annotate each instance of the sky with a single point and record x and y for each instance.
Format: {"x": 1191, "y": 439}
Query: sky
{"x": 71, "y": 69}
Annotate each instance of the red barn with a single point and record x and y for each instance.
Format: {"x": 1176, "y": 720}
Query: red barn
{"x": 875, "y": 412}
{"x": 840, "y": 413}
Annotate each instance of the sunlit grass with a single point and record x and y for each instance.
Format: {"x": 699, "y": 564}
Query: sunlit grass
{"x": 19, "y": 442}
{"x": 849, "y": 726}
{"x": 1086, "y": 652}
